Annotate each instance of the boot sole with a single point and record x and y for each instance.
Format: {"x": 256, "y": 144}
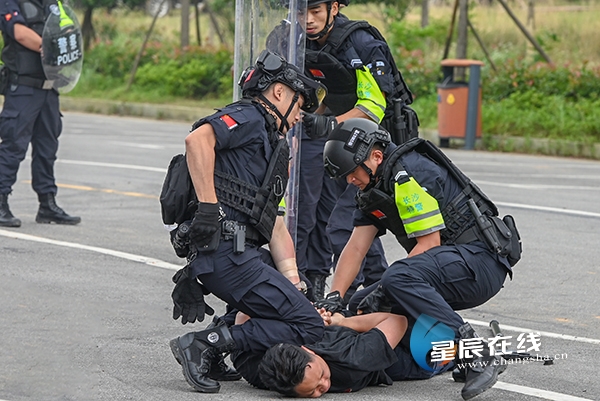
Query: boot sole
{"x": 43, "y": 220}
{"x": 178, "y": 354}
{"x": 473, "y": 394}
{"x": 13, "y": 224}
{"x": 220, "y": 378}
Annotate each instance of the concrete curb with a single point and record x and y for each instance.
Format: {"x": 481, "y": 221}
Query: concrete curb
{"x": 190, "y": 114}
{"x": 146, "y": 110}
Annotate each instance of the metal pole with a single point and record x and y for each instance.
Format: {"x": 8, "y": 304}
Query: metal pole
{"x": 472, "y": 106}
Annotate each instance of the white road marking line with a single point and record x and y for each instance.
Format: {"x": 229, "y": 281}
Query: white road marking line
{"x": 539, "y": 186}
{"x": 549, "y": 209}
{"x": 548, "y": 395}
{"x": 113, "y": 165}
{"x": 543, "y": 333}
{"x": 118, "y": 254}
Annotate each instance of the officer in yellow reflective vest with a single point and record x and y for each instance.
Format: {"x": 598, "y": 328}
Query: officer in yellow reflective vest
{"x": 459, "y": 250}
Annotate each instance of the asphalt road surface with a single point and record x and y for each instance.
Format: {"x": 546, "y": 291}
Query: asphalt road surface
{"x": 85, "y": 311}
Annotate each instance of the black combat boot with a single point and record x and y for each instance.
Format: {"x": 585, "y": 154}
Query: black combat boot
{"x": 318, "y": 284}
{"x": 50, "y": 212}
{"x": 481, "y": 372}
{"x": 6, "y": 217}
{"x": 194, "y": 352}
{"x": 218, "y": 368}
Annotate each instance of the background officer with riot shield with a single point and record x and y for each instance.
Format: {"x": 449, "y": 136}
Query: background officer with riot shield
{"x": 353, "y": 61}
{"x": 31, "y": 105}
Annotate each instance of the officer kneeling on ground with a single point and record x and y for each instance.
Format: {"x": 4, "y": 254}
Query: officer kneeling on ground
{"x": 459, "y": 251}
{"x": 238, "y": 160}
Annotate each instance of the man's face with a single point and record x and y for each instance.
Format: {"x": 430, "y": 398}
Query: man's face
{"x": 359, "y": 177}
{"x": 316, "y": 17}
{"x": 317, "y": 378}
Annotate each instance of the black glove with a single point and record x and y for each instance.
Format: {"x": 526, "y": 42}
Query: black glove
{"x": 188, "y": 298}
{"x": 376, "y": 301}
{"x": 332, "y": 302}
{"x": 317, "y": 125}
{"x": 205, "y": 223}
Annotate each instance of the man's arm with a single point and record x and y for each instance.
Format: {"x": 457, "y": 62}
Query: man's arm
{"x": 283, "y": 252}
{"x": 200, "y": 155}
{"x": 27, "y": 37}
{"x": 425, "y": 243}
{"x": 391, "y": 325}
{"x": 351, "y": 257}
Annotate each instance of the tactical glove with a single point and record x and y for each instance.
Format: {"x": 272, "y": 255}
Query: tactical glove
{"x": 317, "y": 125}
{"x": 332, "y": 302}
{"x": 376, "y": 301}
{"x": 205, "y": 223}
{"x": 188, "y": 298}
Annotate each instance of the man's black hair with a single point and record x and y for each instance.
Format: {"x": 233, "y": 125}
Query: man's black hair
{"x": 282, "y": 368}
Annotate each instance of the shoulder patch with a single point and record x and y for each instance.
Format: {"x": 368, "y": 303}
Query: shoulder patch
{"x": 379, "y": 214}
{"x": 229, "y": 121}
{"x": 317, "y": 74}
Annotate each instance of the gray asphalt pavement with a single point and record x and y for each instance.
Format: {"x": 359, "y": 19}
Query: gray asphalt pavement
{"x": 85, "y": 311}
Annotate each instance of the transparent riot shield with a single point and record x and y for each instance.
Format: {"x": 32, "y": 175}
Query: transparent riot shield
{"x": 273, "y": 25}
{"x": 62, "y": 48}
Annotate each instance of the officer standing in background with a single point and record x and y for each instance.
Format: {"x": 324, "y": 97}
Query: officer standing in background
{"x": 31, "y": 111}
{"x": 238, "y": 160}
{"x": 353, "y": 61}
{"x": 459, "y": 251}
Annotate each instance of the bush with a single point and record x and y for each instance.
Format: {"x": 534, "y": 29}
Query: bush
{"x": 194, "y": 74}
{"x": 163, "y": 69}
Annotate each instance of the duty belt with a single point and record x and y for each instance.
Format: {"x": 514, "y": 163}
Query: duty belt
{"x": 32, "y": 82}
{"x": 230, "y": 227}
{"x": 470, "y": 235}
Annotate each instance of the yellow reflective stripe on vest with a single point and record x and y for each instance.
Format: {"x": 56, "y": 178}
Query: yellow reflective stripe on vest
{"x": 371, "y": 99}
{"x": 281, "y": 207}
{"x": 418, "y": 210}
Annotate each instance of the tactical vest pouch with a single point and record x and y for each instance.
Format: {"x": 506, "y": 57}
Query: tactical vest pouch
{"x": 266, "y": 206}
{"x": 405, "y": 123}
{"x": 3, "y": 79}
{"x": 509, "y": 238}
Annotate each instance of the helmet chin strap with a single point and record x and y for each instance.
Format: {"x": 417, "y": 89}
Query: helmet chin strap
{"x": 274, "y": 109}
{"x": 372, "y": 177}
{"x": 323, "y": 32}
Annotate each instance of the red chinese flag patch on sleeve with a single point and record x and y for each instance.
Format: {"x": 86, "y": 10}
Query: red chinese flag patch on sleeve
{"x": 229, "y": 122}
{"x": 378, "y": 214}
{"x": 7, "y": 17}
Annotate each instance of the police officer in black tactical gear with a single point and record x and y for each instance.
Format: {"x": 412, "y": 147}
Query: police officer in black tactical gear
{"x": 459, "y": 251}
{"x": 238, "y": 162}
{"x": 31, "y": 110}
{"x": 352, "y": 59}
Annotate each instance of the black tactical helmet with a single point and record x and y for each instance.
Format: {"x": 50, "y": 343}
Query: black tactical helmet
{"x": 270, "y": 68}
{"x": 310, "y": 3}
{"x": 350, "y": 144}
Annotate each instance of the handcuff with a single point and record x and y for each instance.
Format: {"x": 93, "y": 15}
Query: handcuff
{"x": 301, "y": 286}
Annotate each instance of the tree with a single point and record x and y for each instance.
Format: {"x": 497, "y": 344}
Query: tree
{"x": 87, "y": 26}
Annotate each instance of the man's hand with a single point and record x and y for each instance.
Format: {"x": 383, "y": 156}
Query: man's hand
{"x": 331, "y": 319}
{"x": 376, "y": 301}
{"x": 318, "y": 125}
{"x": 188, "y": 298}
{"x": 333, "y": 302}
{"x": 205, "y": 223}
